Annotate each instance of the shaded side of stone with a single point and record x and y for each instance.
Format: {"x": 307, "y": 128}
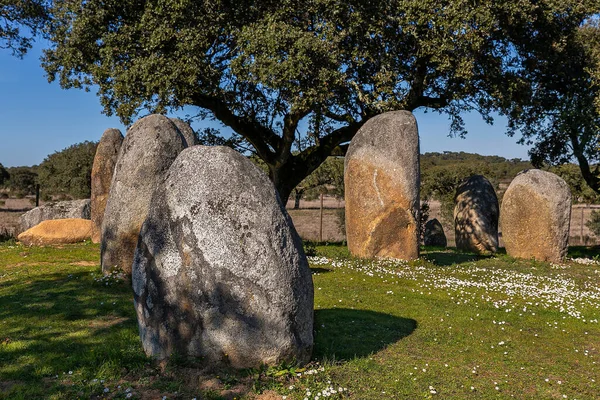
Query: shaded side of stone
{"x": 102, "y": 172}
{"x": 535, "y": 216}
{"x": 219, "y": 270}
{"x": 434, "y": 234}
{"x": 191, "y": 139}
{"x": 148, "y": 150}
{"x": 476, "y": 213}
{"x": 381, "y": 178}
{"x": 55, "y": 210}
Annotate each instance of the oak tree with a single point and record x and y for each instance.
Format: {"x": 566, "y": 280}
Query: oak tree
{"x": 279, "y": 72}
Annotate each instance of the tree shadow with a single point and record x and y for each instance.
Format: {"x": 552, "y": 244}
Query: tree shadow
{"x": 344, "y": 334}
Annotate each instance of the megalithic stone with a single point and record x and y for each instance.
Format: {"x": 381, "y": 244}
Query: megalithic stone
{"x": 103, "y": 168}
{"x": 381, "y": 179}
{"x": 149, "y": 148}
{"x": 219, "y": 270}
{"x": 536, "y": 215}
{"x": 476, "y": 216}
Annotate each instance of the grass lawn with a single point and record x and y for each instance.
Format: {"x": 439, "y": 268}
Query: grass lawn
{"x": 451, "y": 326}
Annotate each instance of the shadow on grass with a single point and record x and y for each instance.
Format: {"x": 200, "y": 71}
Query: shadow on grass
{"x": 450, "y": 256}
{"x": 55, "y": 323}
{"x": 584, "y": 251}
{"x": 319, "y": 270}
{"x": 343, "y": 334}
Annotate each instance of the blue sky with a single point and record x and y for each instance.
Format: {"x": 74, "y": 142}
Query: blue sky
{"x": 38, "y": 118}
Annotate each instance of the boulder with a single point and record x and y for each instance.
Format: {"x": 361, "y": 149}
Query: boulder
{"x": 476, "y": 216}
{"x": 381, "y": 179}
{"x": 186, "y": 130}
{"x": 148, "y": 150}
{"x": 219, "y": 271}
{"x": 434, "y": 234}
{"x": 57, "y": 231}
{"x": 55, "y": 210}
{"x": 102, "y": 172}
{"x": 535, "y": 216}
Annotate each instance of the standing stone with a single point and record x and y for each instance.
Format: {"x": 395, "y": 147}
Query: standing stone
{"x": 219, "y": 271}
{"x": 55, "y": 210}
{"x": 102, "y": 172}
{"x": 434, "y": 234}
{"x": 381, "y": 178}
{"x": 186, "y": 130}
{"x": 535, "y": 216}
{"x": 149, "y": 148}
{"x": 476, "y": 216}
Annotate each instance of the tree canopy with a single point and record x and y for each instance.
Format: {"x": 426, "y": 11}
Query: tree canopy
{"x": 280, "y": 73}
{"x": 562, "y": 117}
{"x": 20, "y": 21}
{"x": 69, "y": 171}
{"x": 4, "y": 175}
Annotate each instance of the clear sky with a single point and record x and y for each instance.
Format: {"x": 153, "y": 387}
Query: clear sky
{"x": 38, "y": 118}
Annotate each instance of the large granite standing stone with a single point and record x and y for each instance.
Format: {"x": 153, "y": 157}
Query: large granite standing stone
{"x": 219, "y": 271}
{"x": 102, "y": 172}
{"x": 434, "y": 234}
{"x": 186, "y": 130}
{"x": 476, "y": 216}
{"x": 55, "y": 210}
{"x": 149, "y": 148}
{"x": 381, "y": 178}
{"x": 57, "y": 231}
{"x": 535, "y": 216}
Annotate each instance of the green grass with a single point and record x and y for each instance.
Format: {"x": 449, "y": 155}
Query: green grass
{"x": 454, "y": 324}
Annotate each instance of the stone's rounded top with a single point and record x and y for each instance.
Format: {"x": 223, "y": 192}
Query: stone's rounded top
{"x": 434, "y": 234}
{"x": 186, "y": 130}
{"x": 112, "y": 135}
{"x": 475, "y": 183}
{"x": 393, "y": 132}
{"x": 544, "y": 183}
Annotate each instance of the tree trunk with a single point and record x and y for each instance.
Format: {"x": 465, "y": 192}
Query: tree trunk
{"x": 297, "y": 197}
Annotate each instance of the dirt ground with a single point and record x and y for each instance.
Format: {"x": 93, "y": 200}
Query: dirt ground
{"x": 307, "y": 219}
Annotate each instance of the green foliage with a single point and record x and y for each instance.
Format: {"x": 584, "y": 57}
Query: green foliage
{"x": 69, "y": 171}
{"x": 281, "y": 73}
{"x": 328, "y": 178}
{"x": 22, "y": 180}
{"x": 20, "y": 21}
{"x": 562, "y": 118}
{"x": 593, "y": 223}
{"x": 4, "y": 175}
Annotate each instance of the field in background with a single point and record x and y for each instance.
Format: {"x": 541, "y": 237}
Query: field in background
{"x": 307, "y": 219}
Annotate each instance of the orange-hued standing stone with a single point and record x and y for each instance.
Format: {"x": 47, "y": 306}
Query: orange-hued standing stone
{"x": 381, "y": 178}
{"x": 536, "y": 215}
{"x": 102, "y": 172}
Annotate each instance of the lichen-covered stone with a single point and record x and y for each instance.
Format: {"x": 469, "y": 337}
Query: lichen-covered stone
{"x": 219, "y": 270}
{"x": 102, "y": 172}
{"x": 381, "y": 177}
{"x": 476, "y": 216}
{"x": 57, "y": 231}
{"x": 434, "y": 234}
{"x": 535, "y": 216}
{"x": 186, "y": 130}
{"x": 148, "y": 150}
{"x": 55, "y": 210}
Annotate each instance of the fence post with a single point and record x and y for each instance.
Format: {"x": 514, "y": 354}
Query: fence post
{"x": 321, "y": 221}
